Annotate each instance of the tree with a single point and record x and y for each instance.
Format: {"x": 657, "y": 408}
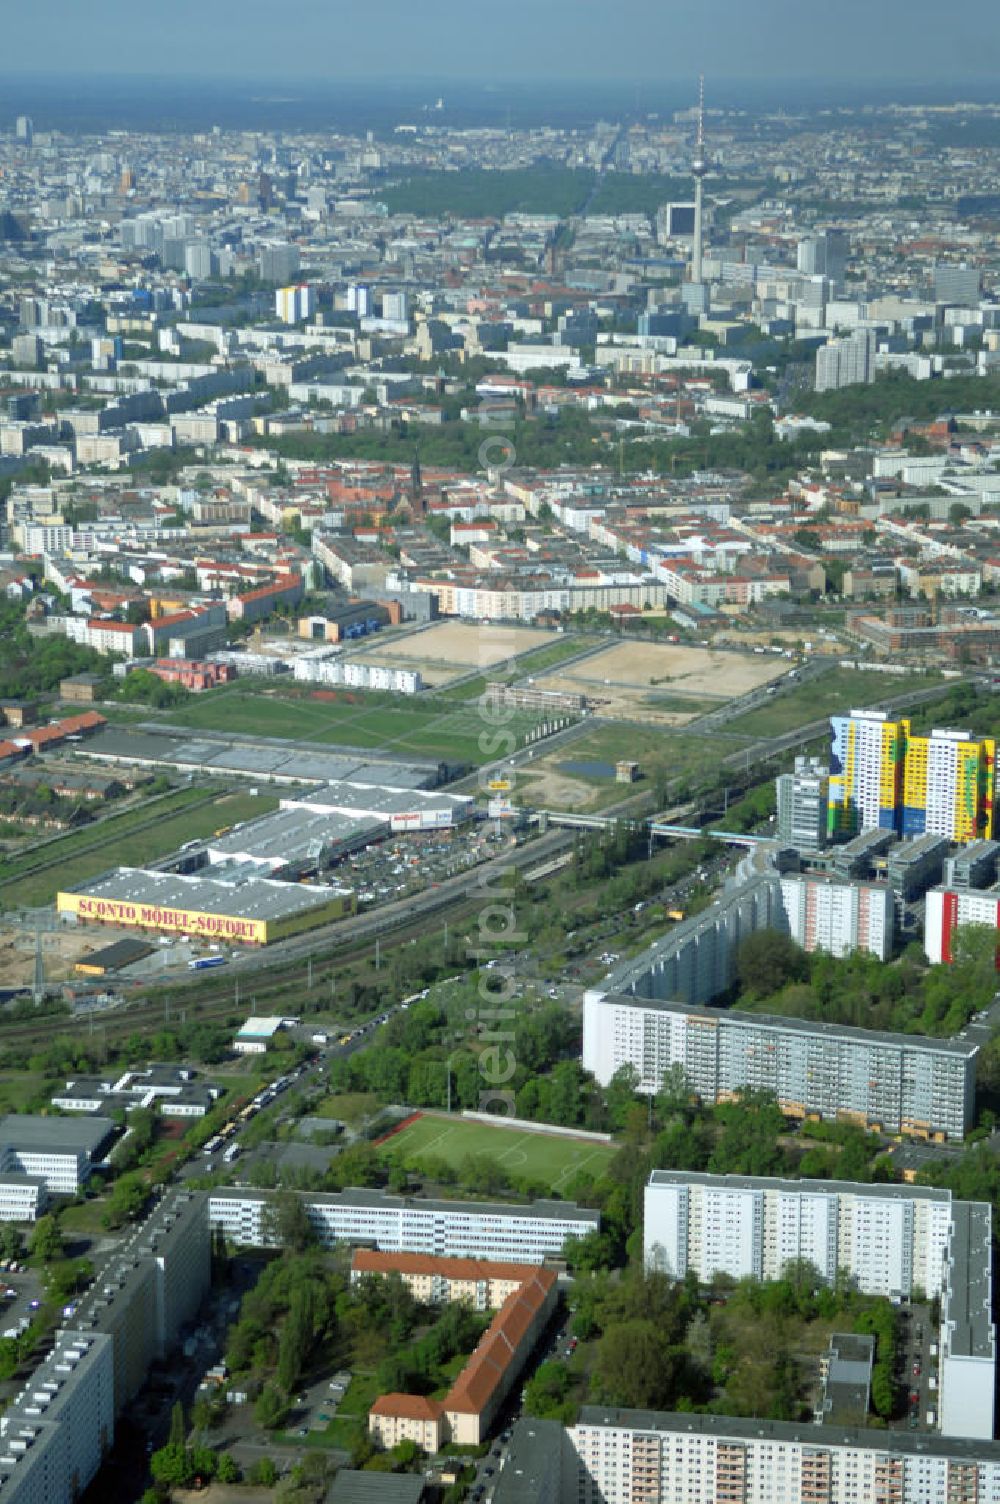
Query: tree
{"x": 11, "y": 1241}
{"x": 287, "y": 1223}
{"x": 45, "y": 1243}
{"x": 271, "y": 1407}
{"x": 126, "y": 1201}
{"x": 178, "y": 1430}
{"x": 635, "y": 1366}
{"x": 227, "y": 1472}
{"x": 767, "y": 961}
{"x": 264, "y": 1473}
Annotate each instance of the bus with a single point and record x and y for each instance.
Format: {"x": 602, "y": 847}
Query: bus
{"x": 202, "y": 963}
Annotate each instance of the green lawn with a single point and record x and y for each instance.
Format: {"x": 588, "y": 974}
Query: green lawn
{"x": 544, "y": 1157}
{"x": 834, "y": 693}
{"x": 347, "y": 1107}
{"x": 127, "y": 847}
{"x": 422, "y": 727}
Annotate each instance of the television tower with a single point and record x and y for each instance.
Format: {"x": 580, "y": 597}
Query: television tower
{"x": 699, "y": 168}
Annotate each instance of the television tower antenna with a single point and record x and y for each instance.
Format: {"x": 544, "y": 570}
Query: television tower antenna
{"x": 699, "y": 169}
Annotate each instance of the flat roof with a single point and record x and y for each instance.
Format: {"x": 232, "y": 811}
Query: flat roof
{"x": 813, "y": 1187}
{"x": 307, "y": 762}
{"x": 551, "y": 1211}
{"x": 748, "y": 1428}
{"x": 969, "y": 1305}
{"x": 350, "y": 1487}
{"x": 534, "y": 1462}
{"x": 251, "y": 897}
{"x": 55, "y": 1135}
{"x": 874, "y": 1037}
{"x": 291, "y": 835}
{"x": 354, "y": 795}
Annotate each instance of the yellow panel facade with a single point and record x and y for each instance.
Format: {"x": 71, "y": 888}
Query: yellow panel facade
{"x": 151, "y": 916}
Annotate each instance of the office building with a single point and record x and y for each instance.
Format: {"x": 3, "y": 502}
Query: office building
{"x": 200, "y": 262}
{"x": 802, "y": 798}
{"x": 24, "y": 130}
{"x": 899, "y": 1083}
{"x": 402, "y": 1224}
{"x": 278, "y": 262}
{"x": 975, "y": 866}
{"x": 395, "y": 306}
{"x": 957, "y": 284}
{"x": 883, "y": 776}
{"x": 846, "y": 362}
{"x": 55, "y": 1151}
{"x": 912, "y": 866}
{"x": 824, "y": 255}
{"x": 293, "y": 304}
{"x": 674, "y": 221}
{"x": 23, "y": 1198}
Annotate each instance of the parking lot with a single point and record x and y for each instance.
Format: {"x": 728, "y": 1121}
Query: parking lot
{"x": 918, "y": 1365}
{"x": 406, "y": 864}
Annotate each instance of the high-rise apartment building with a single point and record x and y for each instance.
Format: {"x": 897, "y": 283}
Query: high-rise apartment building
{"x": 278, "y": 262}
{"x": 824, "y": 255}
{"x": 888, "y": 1238}
{"x": 900, "y": 1083}
{"x": 846, "y": 362}
{"x": 293, "y": 304}
{"x": 948, "y": 785}
{"x": 945, "y": 909}
{"x": 957, "y": 284}
{"x": 803, "y": 796}
{"x": 24, "y": 130}
{"x": 882, "y": 776}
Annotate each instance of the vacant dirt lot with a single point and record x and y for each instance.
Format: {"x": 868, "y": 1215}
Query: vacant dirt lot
{"x": 450, "y": 648}
{"x": 60, "y": 950}
{"x": 629, "y": 678}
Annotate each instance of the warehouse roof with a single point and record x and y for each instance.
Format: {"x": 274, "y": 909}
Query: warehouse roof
{"x": 377, "y": 800}
{"x": 291, "y": 836}
{"x": 249, "y": 898}
{"x": 258, "y": 757}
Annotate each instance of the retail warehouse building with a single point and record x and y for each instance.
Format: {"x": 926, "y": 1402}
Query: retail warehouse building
{"x": 243, "y": 909}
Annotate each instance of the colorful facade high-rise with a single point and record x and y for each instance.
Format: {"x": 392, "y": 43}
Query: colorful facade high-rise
{"x": 884, "y": 777}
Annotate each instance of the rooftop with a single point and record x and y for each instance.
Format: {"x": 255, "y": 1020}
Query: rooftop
{"x": 56, "y": 1135}
{"x": 750, "y": 1428}
{"x": 875, "y": 1038}
{"x": 251, "y": 897}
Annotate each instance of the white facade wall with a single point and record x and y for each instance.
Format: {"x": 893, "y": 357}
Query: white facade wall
{"x": 755, "y": 1228}
{"x": 686, "y": 1460}
{"x": 499, "y": 1233}
{"x": 62, "y": 1174}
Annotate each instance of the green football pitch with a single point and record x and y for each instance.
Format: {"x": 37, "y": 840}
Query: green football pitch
{"x": 547, "y": 1158}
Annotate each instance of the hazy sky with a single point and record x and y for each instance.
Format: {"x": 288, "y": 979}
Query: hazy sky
{"x": 505, "y": 39}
